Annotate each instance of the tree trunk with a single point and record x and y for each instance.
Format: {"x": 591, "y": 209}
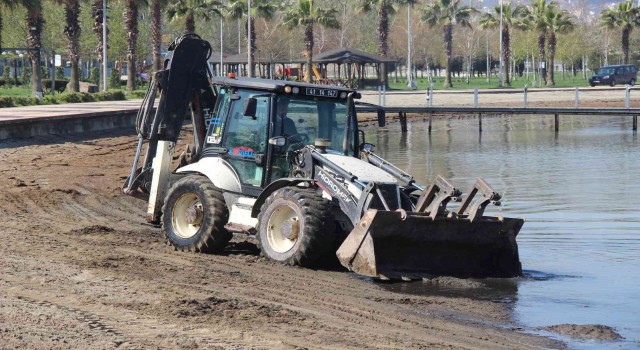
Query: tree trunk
{"x": 96, "y": 11}
{"x": 35, "y": 22}
{"x": 1, "y": 26}
{"x": 308, "y": 47}
{"x": 156, "y": 34}
{"x": 190, "y": 23}
{"x": 626, "y": 32}
{"x": 131, "y": 25}
{"x": 541, "y": 58}
{"x": 552, "y": 53}
{"x": 506, "y": 53}
{"x": 72, "y": 31}
{"x": 383, "y": 33}
{"x": 448, "y": 43}
{"x": 253, "y": 44}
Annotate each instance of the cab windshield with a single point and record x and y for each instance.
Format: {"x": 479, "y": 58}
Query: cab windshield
{"x": 306, "y": 120}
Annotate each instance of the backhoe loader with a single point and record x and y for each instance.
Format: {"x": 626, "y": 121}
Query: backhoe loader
{"x": 286, "y": 161}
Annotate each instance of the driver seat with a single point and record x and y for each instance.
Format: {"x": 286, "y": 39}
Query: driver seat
{"x": 289, "y": 127}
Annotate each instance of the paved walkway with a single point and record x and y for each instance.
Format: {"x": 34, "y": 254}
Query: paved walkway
{"x": 88, "y": 109}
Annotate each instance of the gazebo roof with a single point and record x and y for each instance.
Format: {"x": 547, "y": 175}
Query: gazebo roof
{"x": 348, "y": 55}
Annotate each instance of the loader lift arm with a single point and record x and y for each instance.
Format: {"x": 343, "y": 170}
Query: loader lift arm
{"x": 183, "y": 83}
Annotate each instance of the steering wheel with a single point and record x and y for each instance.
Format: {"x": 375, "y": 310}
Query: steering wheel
{"x": 298, "y": 138}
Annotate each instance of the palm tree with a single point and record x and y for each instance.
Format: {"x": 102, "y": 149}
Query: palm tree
{"x": 384, "y": 9}
{"x": 537, "y": 18}
{"x": 131, "y": 11}
{"x": 625, "y": 17}
{"x": 560, "y": 22}
{"x": 96, "y": 12}
{"x": 447, "y": 13}
{"x": 511, "y": 17}
{"x": 237, "y": 9}
{"x": 190, "y": 9}
{"x": 72, "y": 31}
{"x": 35, "y": 22}
{"x": 156, "y": 32}
{"x": 307, "y": 16}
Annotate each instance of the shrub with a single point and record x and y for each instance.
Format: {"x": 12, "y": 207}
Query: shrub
{"x": 77, "y": 97}
{"x": 114, "y": 79}
{"x": 6, "y": 76}
{"x": 60, "y": 85}
{"x": 26, "y": 76}
{"x": 95, "y": 76}
{"x": 59, "y": 73}
{"x": 137, "y": 94}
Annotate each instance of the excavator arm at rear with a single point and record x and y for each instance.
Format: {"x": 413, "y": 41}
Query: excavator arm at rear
{"x": 182, "y": 86}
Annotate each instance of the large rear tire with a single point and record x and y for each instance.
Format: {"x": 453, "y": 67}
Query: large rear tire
{"x": 295, "y": 227}
{"x": 194, "y": 215}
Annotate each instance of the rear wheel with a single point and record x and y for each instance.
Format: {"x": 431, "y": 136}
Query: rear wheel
{"x": 632, "y": 82}
{"x": 296, "y": 227}
{"x": 194, "y": 215}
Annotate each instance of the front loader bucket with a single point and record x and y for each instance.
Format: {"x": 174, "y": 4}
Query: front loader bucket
{"x": 397, "y": 244}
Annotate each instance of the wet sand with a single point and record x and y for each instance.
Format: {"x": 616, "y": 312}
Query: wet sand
{"x": 80, "y": 269}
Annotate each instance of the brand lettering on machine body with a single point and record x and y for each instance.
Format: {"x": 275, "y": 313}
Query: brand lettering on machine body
{"x": 337, "y": 189}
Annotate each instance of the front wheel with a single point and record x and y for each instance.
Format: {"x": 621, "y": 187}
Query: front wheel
{"x": 613, "y": 82}
{"x": 632, "y": 82}
{"x": 194, "y": 215}
{"x": 296, "y": 227}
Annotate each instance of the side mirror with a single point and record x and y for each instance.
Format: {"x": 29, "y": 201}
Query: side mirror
{"x": 367, "y": 147}
{"x": 250, "y": 107}
{"x": 279, "y": 141}
{"x": 381, "y": 118}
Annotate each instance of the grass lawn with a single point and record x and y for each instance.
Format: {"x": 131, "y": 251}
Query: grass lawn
{"x": 16, "y": 91}
{"x": 481, "y": 83}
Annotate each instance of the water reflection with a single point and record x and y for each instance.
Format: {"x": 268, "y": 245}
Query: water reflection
{"x": 579, "y": 190}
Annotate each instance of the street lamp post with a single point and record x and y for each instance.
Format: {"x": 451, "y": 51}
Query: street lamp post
{"x": 249, "y": 60}
{"x": 501, "y": 61}
{"x": 105, "y": 86}
{"x": 409, "y": 42}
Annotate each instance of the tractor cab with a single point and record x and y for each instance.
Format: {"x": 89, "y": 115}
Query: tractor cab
{"x": 255, "y": 126}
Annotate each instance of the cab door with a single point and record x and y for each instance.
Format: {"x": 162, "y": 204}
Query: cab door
{"x": 245, "y": 137}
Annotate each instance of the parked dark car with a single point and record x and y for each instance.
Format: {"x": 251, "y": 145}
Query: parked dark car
{"x": 612, "y": 75}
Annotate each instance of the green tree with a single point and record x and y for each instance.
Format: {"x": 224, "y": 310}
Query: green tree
{"x": 560, "y": 22}
{"x": 190, "y": 9}
{"x": 306, "y": 15}
{"x": 384, "y": 8}
{"x": 237, "y": 9}
{"x": 625, "y": 16}
{"x": 447, "y": 13}
{"x": 511, "y": 17}
{"x": 72, "y": 31}
{"x": 4, "y": 4}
